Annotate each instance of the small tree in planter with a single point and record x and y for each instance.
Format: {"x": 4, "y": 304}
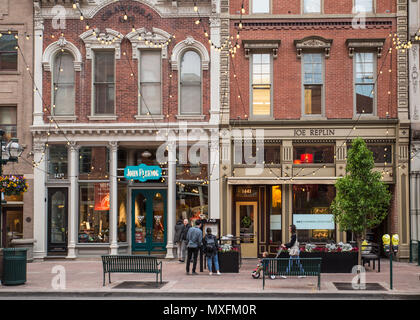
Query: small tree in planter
{"x": 362, "y": 199}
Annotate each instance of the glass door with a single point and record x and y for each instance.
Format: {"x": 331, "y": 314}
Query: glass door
{"x": 246, "y": 228}
{"x": 57, "y": 220}
{"x": 149, "y": 220}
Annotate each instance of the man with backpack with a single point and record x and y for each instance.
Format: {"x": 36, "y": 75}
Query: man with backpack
{"x": 194, "y": 242}
{"x": 211, "y": 248}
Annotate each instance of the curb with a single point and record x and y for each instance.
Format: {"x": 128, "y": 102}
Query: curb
{"x": 177, "y": 295}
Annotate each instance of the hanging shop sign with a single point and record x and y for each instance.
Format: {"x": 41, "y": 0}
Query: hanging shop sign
{"x": 314, "y": 221}
{"x": 143, "y": 173}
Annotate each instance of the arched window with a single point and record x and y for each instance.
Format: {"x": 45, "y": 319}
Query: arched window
{"x": 190, "y": 83}
{"x": 63, "y": 97}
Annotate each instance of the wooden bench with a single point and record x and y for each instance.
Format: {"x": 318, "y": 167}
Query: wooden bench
{"x": 292, "y": 267}
{"x": 131, "y": 264}
{"x": 372, "y": 254}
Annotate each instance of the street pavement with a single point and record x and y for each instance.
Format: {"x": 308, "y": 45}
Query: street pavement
{"x": 82, "y": 279}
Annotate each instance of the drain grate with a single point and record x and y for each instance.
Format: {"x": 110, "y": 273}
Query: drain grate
{"x": 368, "y": 286}
{"x": 139, "y": 285}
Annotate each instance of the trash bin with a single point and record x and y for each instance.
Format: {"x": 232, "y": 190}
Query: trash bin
{"x": 14, "y": 266}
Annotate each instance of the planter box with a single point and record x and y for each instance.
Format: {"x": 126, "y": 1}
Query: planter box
{"x": 229, "y": 262}
{"x": 332, "y": 262}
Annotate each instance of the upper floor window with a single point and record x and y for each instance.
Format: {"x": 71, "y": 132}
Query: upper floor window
{"x": 190, "y": 83}
{"x": 261, "y": 84}
{"x": 63, "y": 78}
{"x": 104, "y": 83}
{"x": 8, "y": 121}
{"x": 364, "y": 82}
{"x": 260, "y": 6}
{"x": 93, "y": 163}
{"x": 150, "y": 83}
{"x": 313, "y": 83}
{"x": 312, "y": 6}
{"x": 363, "y": 6}
{"x": 8, "y": 52}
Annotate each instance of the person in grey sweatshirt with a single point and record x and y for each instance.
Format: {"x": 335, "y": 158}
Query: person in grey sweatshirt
{"x": 194, "y": 242}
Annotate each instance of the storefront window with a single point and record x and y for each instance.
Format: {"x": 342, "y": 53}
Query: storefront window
{"x": 272, "y": 154}
{"x": 313, "y": 154}
{"x": 94, "y": 213}
{"x": 57, "y": 162}
{"x": 191, "y": 201}
{"x": 93, "y": 163}
{"x": 192, "y": 163}
{"x": 14, "y": 224}
{"x": 275, "y": 214}
{"x": 122, "y": 213}
{"x": 311, "y": 212}
{"x": 381, "y": 153}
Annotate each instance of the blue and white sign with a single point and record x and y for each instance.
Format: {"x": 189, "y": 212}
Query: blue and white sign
{"x": 143, "y": 173}
{"x": 314, "y": 221}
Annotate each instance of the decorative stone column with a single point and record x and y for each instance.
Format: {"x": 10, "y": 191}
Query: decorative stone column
{"x": 214, "y": 172}
{"x": 171, "y": 199}
{"x": 215, "y": 71}
{"x": 113, "y": 214}
{"x": 40, "y": 209}
{"x": 73, "y": 200}
{"x": 38, "y": 50}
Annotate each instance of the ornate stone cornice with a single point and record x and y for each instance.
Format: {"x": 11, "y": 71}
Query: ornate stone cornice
{"x": 91, "y": 41}
{"x": 266, "y": 45}
{"x": 365, "y": 44}
{"x": 140, "y": 39}
{"x": 190, "y": 43}
{"x": 60, "y": 45}
{"x": 313, "y": 43}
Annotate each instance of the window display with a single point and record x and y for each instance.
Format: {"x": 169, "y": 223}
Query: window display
{"x": 93, "y": 163}
{"x": 311, "y": 212}
{"x": 122, "y": 213}
{"x": 313, "y": 154}
{"x": 94, "y": 213}
{"x": 192, "y": 201}
{"x": 275, "y": 214}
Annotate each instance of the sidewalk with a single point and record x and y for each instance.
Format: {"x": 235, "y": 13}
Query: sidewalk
{"x": 84, "y": 278}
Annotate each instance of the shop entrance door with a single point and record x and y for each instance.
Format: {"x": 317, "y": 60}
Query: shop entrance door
{"x": 57, "y": 221}
{"x": 246, "y": 228}
{"x": 148, "y": 220}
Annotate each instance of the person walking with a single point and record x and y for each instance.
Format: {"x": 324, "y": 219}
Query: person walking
{"x": 179, "y": 229}
{"x": 211, "y": 248}
{"x": 184, "y": 233}
{"x": 195, "y": 241}
{"x": 294, "y": 251}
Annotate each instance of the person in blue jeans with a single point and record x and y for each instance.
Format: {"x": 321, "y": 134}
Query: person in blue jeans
{"x": 293, "y": 244}
{"x": 211, "y": 247}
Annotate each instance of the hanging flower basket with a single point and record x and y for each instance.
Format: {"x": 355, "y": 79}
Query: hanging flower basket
{"x": 13, "y": 185}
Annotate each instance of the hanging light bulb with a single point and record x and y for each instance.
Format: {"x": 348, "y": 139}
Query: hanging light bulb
{"x": 195, "y": 7}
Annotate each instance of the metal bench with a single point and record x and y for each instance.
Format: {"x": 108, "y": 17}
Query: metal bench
{"x": 371, "y": 252}
{"x": 131, "y": 264}
{"x": 292, "y": 267}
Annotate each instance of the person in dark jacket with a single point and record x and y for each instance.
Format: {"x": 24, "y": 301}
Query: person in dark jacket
{"x": 211, "y": 249}
{"x": 291, "y": 244}
{"x": 194, "y": 242}
{"x": 180, "y": 244}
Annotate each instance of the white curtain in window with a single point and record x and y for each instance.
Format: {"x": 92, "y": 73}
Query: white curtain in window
{"x": 150, "y": 82}
{"x": 190, "y": 83}
{"x": 63, "y": 88}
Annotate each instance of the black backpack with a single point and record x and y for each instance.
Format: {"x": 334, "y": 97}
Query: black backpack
{"x": 210, "y": 244}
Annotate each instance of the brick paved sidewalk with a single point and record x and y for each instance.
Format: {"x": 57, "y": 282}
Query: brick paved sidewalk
{"x": 85, "y": 275}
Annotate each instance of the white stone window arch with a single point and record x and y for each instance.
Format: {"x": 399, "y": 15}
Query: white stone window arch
{"x": 190, "y": 44}
{"x": 61, "y": 45}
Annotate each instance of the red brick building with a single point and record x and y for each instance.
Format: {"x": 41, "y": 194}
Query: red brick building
{"x": 311, "y": 75}
{"x": 120, "y": 82}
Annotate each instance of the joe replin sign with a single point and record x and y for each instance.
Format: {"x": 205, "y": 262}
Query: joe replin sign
{"x": 143, "y": 172}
